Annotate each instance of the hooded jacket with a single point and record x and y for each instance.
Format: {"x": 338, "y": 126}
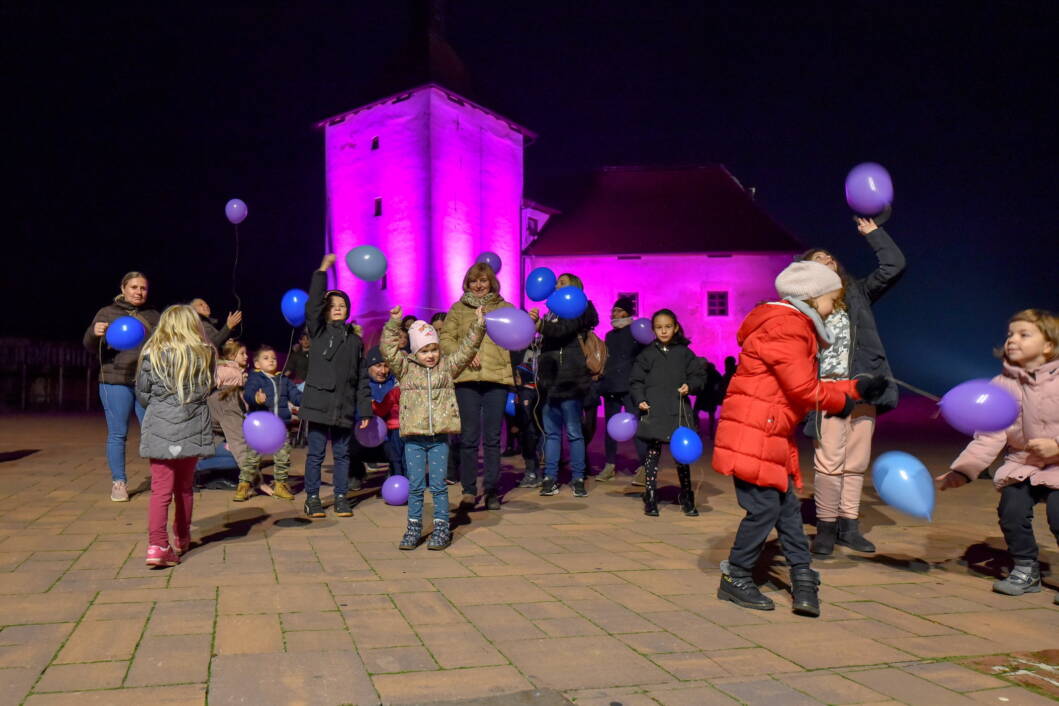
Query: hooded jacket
{"x": 279, "y": 391}
{"x": 428, "y": 395}
{"x": 562, "y": 373}
{"x": 118, "y": 367}
{"x": 656, "y": 375}
{"x": 774, "y": 386}
{"x": 336, "y": 387}
{"x": 171, "y": 428}
{"x": 1038, "y": 396}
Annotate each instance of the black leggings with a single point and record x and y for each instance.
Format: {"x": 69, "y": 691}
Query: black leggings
{"x": 1016, "y": 516}
{"x": 650, "y": 465}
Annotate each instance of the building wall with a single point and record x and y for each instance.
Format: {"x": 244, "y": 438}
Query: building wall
{"x": 681, "y": 283}
{"x": 449, "y": 176}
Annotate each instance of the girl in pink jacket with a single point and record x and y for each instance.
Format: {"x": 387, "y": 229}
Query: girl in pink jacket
{"x": 1030, "y": 473}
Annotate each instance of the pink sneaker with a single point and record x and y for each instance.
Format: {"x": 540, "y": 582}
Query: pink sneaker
{"x": 181, "y": 546}
{"x": 161, "y": 556}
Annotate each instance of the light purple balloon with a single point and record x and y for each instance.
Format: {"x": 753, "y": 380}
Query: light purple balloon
{"x": 622, "y": 426}
{"x": 264, "y": 432}
{"x": 236, "y": 212}
{"x": 642, "y": 331}
{"x": 373, "y": 435}
{"x": 869, "y": 189}
{"x": 491, "y": 259}
{"x": 510, "y": 328}
{"x": 395, "y": 490}
{"x": 979, "y": 405}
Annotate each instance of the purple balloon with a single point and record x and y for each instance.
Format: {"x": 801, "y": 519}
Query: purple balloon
{"x": 622, "y": 426}
{"x": 979, "y": 405}
{"x": 510, "y": 328}
{"x": 373, "y": 435}
{"x": 235, "y": 211}
{"x": 491, "y": 259}
{"x": 264, "y": 432}
{"x": 642, "y": 331}
{"x": 869, "y": 189}
{"x": 395, "y": 490}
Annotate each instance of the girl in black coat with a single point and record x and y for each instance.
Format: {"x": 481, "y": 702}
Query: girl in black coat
{"x": 663, "y": 376}
{"x": 336, "y": 390}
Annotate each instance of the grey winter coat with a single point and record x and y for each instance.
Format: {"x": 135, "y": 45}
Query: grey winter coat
{"x": 172, "y": 429}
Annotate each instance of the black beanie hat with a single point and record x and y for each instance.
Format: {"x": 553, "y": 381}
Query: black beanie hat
{"x": 374, "y": 357}
{"x": 626, "y": 305}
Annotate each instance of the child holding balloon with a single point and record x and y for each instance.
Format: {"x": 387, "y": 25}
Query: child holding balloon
{"x": 663, "y": 375}
{"x": 267, "y": 390}
{"x": 1030, "y": 473}
{"x": 428, "y": 415}
{"x": 173, "y": 380}
{"x": 775, "y": 385}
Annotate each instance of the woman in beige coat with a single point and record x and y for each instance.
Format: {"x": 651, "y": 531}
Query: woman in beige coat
{"x": 481, "y": 389}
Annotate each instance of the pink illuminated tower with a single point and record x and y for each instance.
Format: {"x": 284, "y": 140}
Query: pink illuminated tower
{"x": 430, "y": 178}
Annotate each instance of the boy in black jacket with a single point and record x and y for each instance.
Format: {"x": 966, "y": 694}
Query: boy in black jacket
{"x": 336, "y": 390}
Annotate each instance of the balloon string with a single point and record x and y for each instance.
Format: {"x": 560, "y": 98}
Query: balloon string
{"x": 913, "y": 388}
{"x": 235, "y": 269}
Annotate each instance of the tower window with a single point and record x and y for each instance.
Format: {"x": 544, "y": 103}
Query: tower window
{"x": 717, "y": 304}
{"x": 533, "y": 227}
{"x": 375, "y": 142}
{"x": 378, "y": 206}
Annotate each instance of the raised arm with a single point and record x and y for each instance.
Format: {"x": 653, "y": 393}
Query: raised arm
{"x": 465, "y": 353}
{"x": 316, "y": 306}
{"x": 391, "y": 339}
{"x": 891, "y": 262}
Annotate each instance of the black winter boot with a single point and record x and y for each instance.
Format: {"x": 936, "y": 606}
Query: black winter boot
{"x": 824, "y": 541}
{"x": 1025, "y": 577}
{"x": 687, "y": 495}
{"x": 737, "y": 586}
{"x": 849, "y": 536}
{"x": 650, "y": 502}
{"x": 805, "y": 585}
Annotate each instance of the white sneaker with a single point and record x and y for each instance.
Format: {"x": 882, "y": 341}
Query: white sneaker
{"x": 119, "y": 492}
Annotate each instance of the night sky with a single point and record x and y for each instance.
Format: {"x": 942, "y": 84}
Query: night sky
{"x": 128, "y": 129}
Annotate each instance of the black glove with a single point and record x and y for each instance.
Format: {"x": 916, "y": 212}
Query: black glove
{"x": 847, "y": 410}
{"x": 872, "y": 387}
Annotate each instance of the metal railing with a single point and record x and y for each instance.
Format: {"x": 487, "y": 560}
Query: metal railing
{"x": 43, "y": 375}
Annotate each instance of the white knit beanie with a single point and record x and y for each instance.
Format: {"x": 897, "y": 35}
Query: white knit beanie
{"x": 421, "y": 334}
{"x": 806, "y": 280}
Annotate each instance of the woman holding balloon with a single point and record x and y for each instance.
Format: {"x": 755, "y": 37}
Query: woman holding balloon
{"x": 564, "y": 379}
{"x": 842, "y": 446}
{"x": 118, "y": 349}
{"x": 663, "y": 376}
{"x": 482, "y": 387}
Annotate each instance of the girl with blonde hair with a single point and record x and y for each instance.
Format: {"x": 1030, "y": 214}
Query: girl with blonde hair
{"x": 173, "y": 381}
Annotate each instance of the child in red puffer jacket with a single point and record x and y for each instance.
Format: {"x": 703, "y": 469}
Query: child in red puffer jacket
{"x": 774, "y": 387}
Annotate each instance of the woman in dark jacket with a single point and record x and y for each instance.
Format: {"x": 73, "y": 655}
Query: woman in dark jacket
{"x": 117, "y": 373}
{"x": 563, "y": 382}
{"x": 622, "y": 350}
{"x": 663, "y": 376}
{"x": 842, "y": 446}
{"x": 336, "y": 390}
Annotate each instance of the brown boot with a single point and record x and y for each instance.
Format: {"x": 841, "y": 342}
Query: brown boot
{"x": 243, "y": 492}
{"x": 638, "y": 479}
{"x": 281, "y": 490}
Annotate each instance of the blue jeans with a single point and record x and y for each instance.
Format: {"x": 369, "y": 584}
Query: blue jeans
{"x": 423, "y": 453}
{"x": 221, "y": 460}
{"x": 318, "y": 435}
{"x": 394, "y": 449}
{"x": 119, "y": 401}
{"x": 558, "y": 414}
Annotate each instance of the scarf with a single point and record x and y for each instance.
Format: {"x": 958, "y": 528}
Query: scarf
{"x": 622, "y": 322}
{"x": 474, "y": 302}
{"x": 826, "y": 336}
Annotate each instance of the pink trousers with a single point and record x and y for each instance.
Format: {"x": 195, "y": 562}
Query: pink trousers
{"x": 171, "y": 479}
{"x": 840, "y": 458}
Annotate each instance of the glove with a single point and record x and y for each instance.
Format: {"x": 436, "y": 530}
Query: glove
{"x": 846, "y": 410}
{"x": 872, "y": 387}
